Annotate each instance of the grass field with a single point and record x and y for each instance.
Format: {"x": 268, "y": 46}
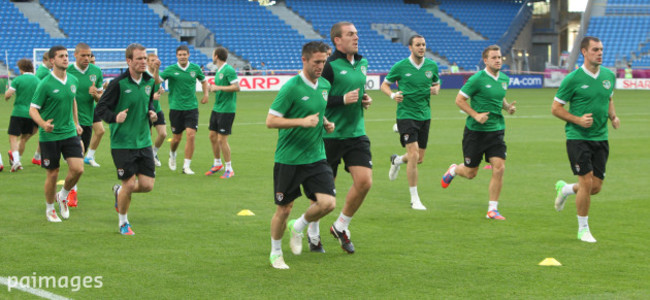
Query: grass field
{"x": 190, "y": 243}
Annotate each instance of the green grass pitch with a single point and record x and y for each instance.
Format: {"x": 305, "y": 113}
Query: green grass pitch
{"x": 190, "y": 243}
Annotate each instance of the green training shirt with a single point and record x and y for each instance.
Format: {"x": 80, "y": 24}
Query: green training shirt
{"x": 587, "y": 93}
{"x": 156, "y": 103}
{"x": 42, "y": 71}
{"x": 345, "y": 76}
{"x": 182, "y": 85}
{"x": 125, "y": 93}
{"x": 225, "y": 102}
{"x": 25, "y": 86}
{"x": 299, "y": 98}
{"x": 486, "y": 94}
{"x": 414, "y": 81}
{"x": 92, "y": 75}
{"x": 54, "y": 99}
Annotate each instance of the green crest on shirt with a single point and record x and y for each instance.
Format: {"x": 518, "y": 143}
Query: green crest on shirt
{"x": 220, "y": 76}
{"x": 504, "y": 85}
{"x": 607, "y": 84}
{"x": 147, "y": 90}
{"x": 93, "y": 78}
{"x": 73, "y": 88}
{"x": 363, "y": 70}
{"x": 193, "y": 74}
{"x": 429, "y": 74}
{"x": 325, "y": 95}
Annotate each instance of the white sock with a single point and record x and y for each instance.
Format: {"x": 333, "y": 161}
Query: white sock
{"x": 414, "y": 193}
{"x": 217, "y": 162}
{"x": 91, "y": 153}
{"x": 313, "y": 230}
{"x": 63, "y": 194}
{"x": 155, "y": 150}
{"x": 453, "y": 171}
{"x": 123, "y": 219}
{"x": 49, "y": 206}
{"x": 74, "y": 188}
{"x": 398, "y": 160}
{"x": 492, "y": 205}
{"x": 300, "y": 224}
{"x": 276, "y": 247}
{"x": 228, "y": 166}
{"x": 568, "y": 189}
{"x": 172, "y": 154}
{"x": 16, "y": 155}
{"x": 342, "y": 222}
{"x": 37, "y": 155}
{"x": 186, "y": 163}
{"x": 583, "y": 222}
{"x": 1, "y": 160}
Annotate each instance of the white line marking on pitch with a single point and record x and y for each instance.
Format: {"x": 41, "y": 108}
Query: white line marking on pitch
{"x": 33, "y": 291}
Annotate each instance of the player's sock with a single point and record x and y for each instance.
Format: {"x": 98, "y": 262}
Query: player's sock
{"x": 91, "y": 154}
{"x": 583, "y": 222}
{"x": 314, "y": 229}
{"x": 63, "y": 194}
{"x": 16, "y": 155}
{"x": 276, "y": 247}
{"x": 229, "y": 166}
{"x": 155, "y": 150}
{"x": 74, "y": 188}
{"x": 568, "y": 189}
{"x": 172, "y": 154}
{"x": 123, "y": 219}
{"x": 300, "y": 224}
{"x": 37, "y": 155}
{"x": 492, "y": 205}
{"x": 342, "y": 222}
{"x": 217, "y": 162}
{"x": 186, "y": 163}
{"x": 414, "y": 193}
{"x": 452, "y": 171}
{"x": 398, "y": 160}
{"x": 49, "y": 206}
{"x": 1, "y": 160}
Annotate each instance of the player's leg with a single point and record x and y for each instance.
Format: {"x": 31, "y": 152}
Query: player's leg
{"x": 161, "y": 135}
{"x": 98, "y": 132}
{"x": 51, "y": 195}
{"x": 496, "y": 183}
{"x": 472, "y": 152}
{"x": 37, "y": 154}
{"x": 583, "y": 201}
{"x": 216, "y": 151}
{"x": 278, "y": 224}
{"x": 177, "y": 122}
{"x": 15, "y": 131}
{"x": 286, "y": 188}
{"x": 123, "y": 204}
{"x": 191, "y": 123}
{"x": 222, "y": 140}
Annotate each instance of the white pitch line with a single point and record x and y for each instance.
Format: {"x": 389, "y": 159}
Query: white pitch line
{"x": 33, "y": 291}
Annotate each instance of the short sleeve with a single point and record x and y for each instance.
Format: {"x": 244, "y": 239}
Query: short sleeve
{"x": 282, "y": 102}
{"x": 393, "y": 74}
{"x": 565, "y": 92}
{"x": 39, "y": 96}
{"x": 199, "y": 74}
{"x": 469, "y": 88}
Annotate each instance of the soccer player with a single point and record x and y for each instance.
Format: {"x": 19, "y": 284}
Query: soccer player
{"x": 160, "y": 125}
{"x": 89, "y": 91}
{"x": 485, "y": 126}
{"x": 54, "y": 109}
{"x": 223, "y": 112}
{"x": 183, "y": 105}
{"x": 45, "y": 67}
{"x": 417, "y": 80}
{"x": 127, "y": 105}
{"x": 346, "y": 71}
{"x": 21, "y": 125}
{"x": 589, "y": 91}
{"x": 298, "y": 112}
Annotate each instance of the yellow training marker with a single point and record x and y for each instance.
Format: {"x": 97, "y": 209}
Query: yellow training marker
{"x": 169, "y": 139}
{"x": 549, "y": 261}
{"x": 245, "y": 212}
{"x": 60, "y": 182}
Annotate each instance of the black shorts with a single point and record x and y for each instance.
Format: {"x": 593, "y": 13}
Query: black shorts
{"x": 86, "y": 135}
{"x": 353, "y": 151}
{"x": 411, "y": 131}
{"x": 181, "y": 119}
{"x": 315, "y": 178}
{"x": 20, "y": 125}
{"x": 96, "y": 117}
{"x": 51, "y": 151}
{"x": 161, "y": 119}
{"x": 222, "y": 122}
{"x": 131, "y": 162}
{"x": 586, "y": 156}
{"x": 476, "y": 144}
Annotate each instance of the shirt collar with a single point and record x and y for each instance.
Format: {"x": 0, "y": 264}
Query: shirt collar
{"x": 307, "y": 82}
{"x": 80, "y": 70}
{"x": 413, "y": 63}
{"x": 490, "y": 74}
{"x": 184, "y": 69}
{"x": 594, "y": 76}
{"x": 220, "y": 68}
